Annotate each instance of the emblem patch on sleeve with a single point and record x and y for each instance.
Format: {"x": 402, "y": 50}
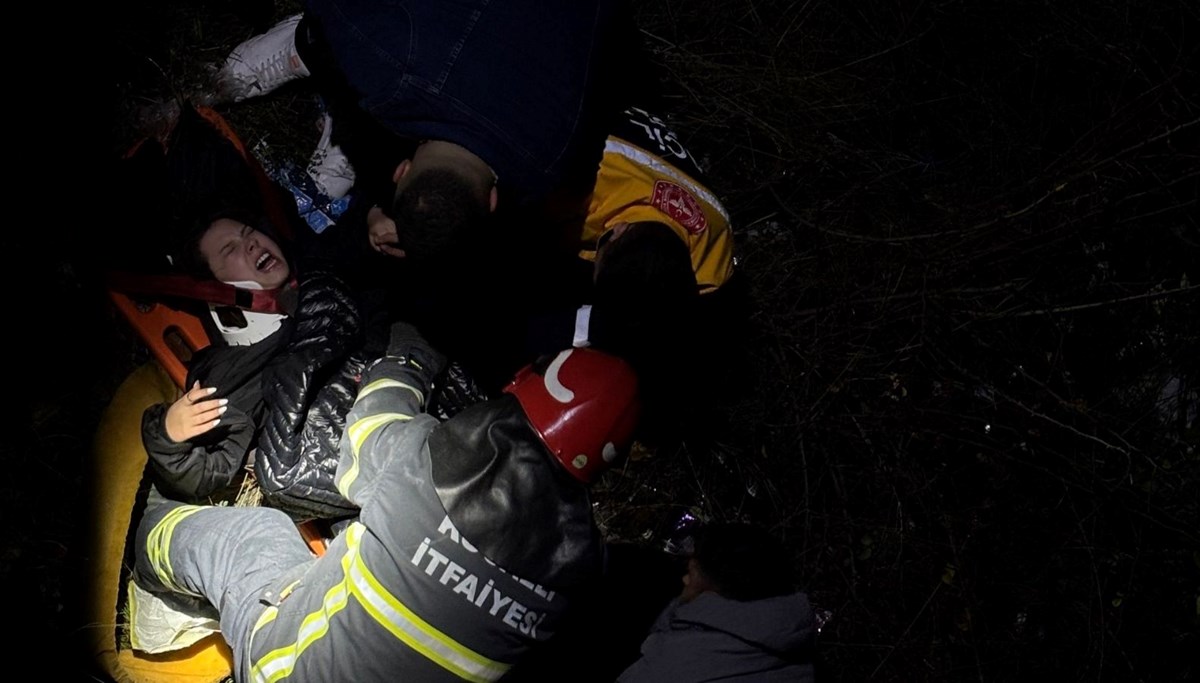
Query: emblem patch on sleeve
{"x": 680, "y": 205}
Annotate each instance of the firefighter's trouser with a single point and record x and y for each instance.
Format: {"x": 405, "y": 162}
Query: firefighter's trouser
{"x": 236, "y": 558}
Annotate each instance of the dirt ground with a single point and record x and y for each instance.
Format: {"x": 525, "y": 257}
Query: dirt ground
{"x": 966, "y": 390}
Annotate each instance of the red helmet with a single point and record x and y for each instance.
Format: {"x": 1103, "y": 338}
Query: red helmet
{"x": 584, "y": 407}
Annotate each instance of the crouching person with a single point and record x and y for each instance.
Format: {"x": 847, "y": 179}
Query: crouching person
{"x": 736, "y": 619}
{"x": 473, "y": 536}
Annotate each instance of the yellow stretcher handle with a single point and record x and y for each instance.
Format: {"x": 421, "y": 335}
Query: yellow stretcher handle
{"x": 115, "y": 476}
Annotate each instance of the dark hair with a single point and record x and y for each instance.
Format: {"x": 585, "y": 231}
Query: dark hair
{"x": 648, "y": 258}
{"x": 644, "y": 310}
{"x": 743, "y": 561}
{"x": 435, "y": 213}
{"x": 207, "y": 179}
{"x": 190, "y": 260}
{"x": 645, "y": 289}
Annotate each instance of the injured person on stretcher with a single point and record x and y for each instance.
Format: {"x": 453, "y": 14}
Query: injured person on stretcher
{"x": 272, "y": 391}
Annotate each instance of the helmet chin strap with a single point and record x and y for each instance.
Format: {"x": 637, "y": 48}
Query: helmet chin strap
{"x": 583, "y": 324}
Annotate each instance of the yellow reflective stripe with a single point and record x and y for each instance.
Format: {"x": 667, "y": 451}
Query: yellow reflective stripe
{"x": 158, "y": 545}
{"x": 386, "y": 610}
{"x": 415, "y": 632}
{"x": 358, "y": 433}
{"x": 265, "y": 618}
{"x": 280, "y": 663}
{"x": 384, "y": 384}
{"x": 640, "y": 156}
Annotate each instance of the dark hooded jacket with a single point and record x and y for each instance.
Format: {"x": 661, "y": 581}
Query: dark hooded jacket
{"x": 712, "y": 638}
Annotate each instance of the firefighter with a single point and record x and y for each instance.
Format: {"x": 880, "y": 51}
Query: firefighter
{"x": 474, "y": 534}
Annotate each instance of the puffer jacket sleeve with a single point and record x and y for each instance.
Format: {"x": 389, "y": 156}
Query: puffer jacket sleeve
{"x": 194, "y": 470}
{"x": 191, "y": 471}
{"x": 307, "y": 391}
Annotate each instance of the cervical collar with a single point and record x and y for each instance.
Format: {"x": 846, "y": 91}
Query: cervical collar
{"x": 239, "y": 327}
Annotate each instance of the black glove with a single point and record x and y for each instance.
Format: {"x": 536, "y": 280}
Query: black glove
{"x": 404, "y": 341}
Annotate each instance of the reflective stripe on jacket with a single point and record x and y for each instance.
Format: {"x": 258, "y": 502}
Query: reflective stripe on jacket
{"x": 647, "y": 175}
{"x": 401, "y": 591}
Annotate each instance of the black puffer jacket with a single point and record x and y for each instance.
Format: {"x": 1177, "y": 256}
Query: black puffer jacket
{"x": 296, "y": 387}
{"x": 193, "y": 471}
{"x": 307, "y": 390}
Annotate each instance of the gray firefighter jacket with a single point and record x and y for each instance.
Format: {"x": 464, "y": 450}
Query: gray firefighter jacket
{"x": 404, "y": 589}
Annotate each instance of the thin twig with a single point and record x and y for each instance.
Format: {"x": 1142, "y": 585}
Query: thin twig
{"x": 937, "y": 587}
{"x": 1095, "y": 304}
{"x": 867, "y": 58}
{"x": 1035, "y": 413}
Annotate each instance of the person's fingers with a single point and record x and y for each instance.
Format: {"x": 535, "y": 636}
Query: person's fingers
{"x": 381, "y": 242}
{"x": 202, "y": 421}
{"x": 381, "y": 230}
{"x": 199, "y": 393}
{"x": 391, "y": 251}
{"x": 207, "y": 411}
{"x": 384, "y": 229}
{"x": 204, "y": 427}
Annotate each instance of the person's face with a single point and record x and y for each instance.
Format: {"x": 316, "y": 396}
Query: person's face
{"x": 694, "y": 582}
{"x": 236, "y": 252}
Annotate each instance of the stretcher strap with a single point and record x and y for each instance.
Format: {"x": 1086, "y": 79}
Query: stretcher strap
{"x": 259, "y": 301}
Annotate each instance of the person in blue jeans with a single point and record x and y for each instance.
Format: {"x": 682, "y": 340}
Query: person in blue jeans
{"x": 478, "y": 127}
{"x": 502, "y": 103}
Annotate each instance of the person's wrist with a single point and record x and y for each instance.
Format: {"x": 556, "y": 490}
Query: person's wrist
{"x": 166, "y": 427}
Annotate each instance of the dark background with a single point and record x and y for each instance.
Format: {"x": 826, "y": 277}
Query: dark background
{"x": 966, "y": 385}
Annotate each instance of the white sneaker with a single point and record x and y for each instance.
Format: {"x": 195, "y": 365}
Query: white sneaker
{"x": 262, "y": 63}
{"x": 329, "y": 168}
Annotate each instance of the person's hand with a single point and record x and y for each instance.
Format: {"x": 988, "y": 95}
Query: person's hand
{"x": 194, "y": 413}
{"x": 405, "y": 341}
{"x": 381, "y": 231}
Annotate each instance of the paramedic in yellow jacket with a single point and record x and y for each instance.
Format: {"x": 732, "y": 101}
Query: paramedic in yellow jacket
{"x": 648, "y": 176}
{"x": 663, "y": 256}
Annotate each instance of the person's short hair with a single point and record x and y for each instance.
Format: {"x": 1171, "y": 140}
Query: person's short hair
{"x": 435, "y": 213}
{"x": 743, "y": 561}
{"x": 644, "y": 307}
{"x": 645, "y": 288}
{"x": 647, "y": 258}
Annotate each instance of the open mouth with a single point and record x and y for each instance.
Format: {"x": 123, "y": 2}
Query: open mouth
{"x": 266, "y": 262}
